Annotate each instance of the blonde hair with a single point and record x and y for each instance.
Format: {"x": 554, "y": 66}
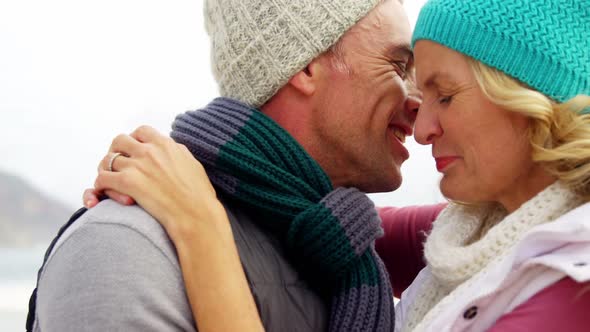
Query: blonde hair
{"x": 559, "y": 133}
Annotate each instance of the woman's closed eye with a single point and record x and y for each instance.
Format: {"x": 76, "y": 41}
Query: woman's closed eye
{"x": 445, "y": 100}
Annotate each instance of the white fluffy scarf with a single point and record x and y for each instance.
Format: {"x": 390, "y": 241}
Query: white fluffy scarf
{"x": 466, "y": 239}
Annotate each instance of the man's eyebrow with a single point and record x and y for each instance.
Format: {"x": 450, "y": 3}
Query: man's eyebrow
{"x": 397, "y": 50}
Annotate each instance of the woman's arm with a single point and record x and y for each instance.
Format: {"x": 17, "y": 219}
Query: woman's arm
{"x": 215, "y": 281}
{"x": 402, "y": 246}
{"x": 164, "y": 178}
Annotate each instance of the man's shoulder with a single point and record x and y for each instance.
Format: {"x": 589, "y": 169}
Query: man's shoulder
{"x": 111, "y": 231}
{"x": 110, "y": 219}
{"x": 112, "y": 269}
{"x": 109, "y": 212}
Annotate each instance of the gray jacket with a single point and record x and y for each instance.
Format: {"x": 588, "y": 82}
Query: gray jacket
{"x": 115, "y": 269}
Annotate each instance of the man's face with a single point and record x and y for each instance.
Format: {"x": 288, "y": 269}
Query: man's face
{"x": 362, "y": 115}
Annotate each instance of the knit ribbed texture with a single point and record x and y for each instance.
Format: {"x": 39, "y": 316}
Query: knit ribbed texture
{"x": 258, "y": 45}
{"x": 454, "y": 258}
{"x": 329, "y": 233}
{"x": 543, "y": 43}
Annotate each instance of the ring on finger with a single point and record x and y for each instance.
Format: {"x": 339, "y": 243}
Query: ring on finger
{"x": 112, "y": 160}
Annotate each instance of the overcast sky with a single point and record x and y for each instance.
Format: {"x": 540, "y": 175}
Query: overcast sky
{"x": 75, "y": 73}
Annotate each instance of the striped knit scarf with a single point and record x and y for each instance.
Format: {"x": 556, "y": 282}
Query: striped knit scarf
{"x": 328, "y": 232}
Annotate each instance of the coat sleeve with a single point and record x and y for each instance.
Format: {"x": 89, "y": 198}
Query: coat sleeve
{"x": 563, "y": 306}
{"x": 107, "y": 277}
{"x": 401, "y": 248}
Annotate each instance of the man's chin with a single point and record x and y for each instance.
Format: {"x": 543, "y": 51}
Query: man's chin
{"x": 385, "y": 185}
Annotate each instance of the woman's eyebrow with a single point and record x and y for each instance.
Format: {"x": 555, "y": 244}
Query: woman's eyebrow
{"x": 435, "y": 78}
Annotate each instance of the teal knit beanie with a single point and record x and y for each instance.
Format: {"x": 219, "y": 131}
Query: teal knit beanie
{"x": 542, "y": 43}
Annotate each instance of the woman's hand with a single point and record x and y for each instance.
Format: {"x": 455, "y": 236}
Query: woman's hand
{"x": 162, "y": 176}
{"x": 92, "y": 196}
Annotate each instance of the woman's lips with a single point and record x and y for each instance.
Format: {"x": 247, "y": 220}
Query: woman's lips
{"x": 444, "y": 162}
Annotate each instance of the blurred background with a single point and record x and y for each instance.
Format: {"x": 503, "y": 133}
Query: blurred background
{"x": 73, "y": 75}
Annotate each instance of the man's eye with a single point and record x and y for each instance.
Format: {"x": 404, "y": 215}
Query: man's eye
{"x": 401, "y": 68}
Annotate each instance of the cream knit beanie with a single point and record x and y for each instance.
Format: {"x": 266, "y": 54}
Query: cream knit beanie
{"x": 258, "y": 45}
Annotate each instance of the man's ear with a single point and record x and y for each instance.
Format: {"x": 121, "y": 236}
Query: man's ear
{"x": 306, "y": 80}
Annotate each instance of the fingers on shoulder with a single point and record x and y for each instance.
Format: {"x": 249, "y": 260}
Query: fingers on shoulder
{"x": 118, "y": 181}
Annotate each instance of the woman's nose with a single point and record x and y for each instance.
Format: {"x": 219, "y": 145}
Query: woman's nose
{"x": 427, "y": 126}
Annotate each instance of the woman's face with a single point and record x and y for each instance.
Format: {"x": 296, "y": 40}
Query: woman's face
{"x": 482, "y": 150}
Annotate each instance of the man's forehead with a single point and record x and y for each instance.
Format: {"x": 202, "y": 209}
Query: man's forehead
{"x": 400, "y": 1}
{"x": 384, "y": 29}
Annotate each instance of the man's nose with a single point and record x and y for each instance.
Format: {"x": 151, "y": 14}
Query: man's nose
{"x": 414, "y": 100}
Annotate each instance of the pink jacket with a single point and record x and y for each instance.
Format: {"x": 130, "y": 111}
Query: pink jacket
{"x": 544, "y": 285}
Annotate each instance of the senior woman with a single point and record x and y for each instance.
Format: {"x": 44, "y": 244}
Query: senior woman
{"x": 506, "y": 108}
